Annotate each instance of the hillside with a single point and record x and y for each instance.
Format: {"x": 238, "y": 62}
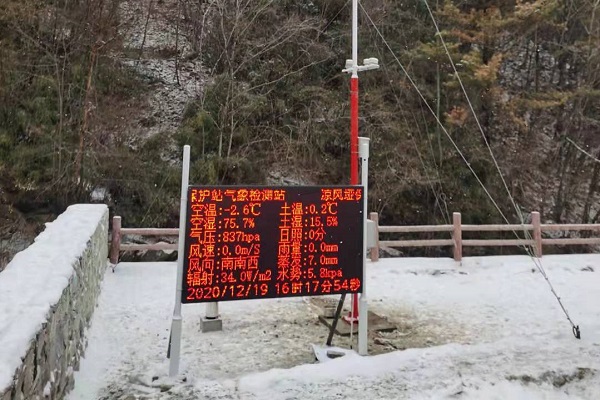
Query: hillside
{"x": 98, "y": 96}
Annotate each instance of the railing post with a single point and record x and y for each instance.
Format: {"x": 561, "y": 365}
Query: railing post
{"x": 115, "y": 243}
{"x": 537, "y": 233}
{"x": 457, "y": 236}
{"x": 375, "y": 249}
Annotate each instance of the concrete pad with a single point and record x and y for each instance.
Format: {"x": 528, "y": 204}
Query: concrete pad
{"x": 325, "y": 306}
{"x": 376, "y": 323}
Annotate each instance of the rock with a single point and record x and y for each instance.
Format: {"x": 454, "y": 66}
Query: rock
{"x": 387, "y": 252}
{"x": 165, "y": 387}
{"x": 335, "y": 354}
{"x": 383, "y": 342}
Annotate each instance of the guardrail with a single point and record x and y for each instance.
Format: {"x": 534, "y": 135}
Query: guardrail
{"x": 118, "y": 232}
{"x": 533, "y": 232}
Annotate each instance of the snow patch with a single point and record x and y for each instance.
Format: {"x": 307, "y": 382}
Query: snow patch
{"x": 484, "y": 329}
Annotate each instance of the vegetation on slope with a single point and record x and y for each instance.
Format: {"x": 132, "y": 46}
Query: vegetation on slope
{"x": 64, "y": 105}
{"x": 528, "y": 69}
{"x": 277, "y": 100}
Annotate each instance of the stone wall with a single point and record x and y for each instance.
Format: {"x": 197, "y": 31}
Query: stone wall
{"x": 51, "y": 353}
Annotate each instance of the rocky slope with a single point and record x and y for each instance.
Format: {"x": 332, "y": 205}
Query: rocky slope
{"x": 159, "y": 51}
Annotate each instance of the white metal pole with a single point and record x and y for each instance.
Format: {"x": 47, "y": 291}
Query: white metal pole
{"x": 363, "y": 339}
{"x": 212, "y": 310}
{"x": 355, "y": 38}
{"x": 176, "y": 323}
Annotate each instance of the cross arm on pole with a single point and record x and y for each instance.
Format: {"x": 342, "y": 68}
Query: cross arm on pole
{"x": 368, "y": 64}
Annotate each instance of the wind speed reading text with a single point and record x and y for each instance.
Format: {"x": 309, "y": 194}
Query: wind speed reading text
{"x": 264, "y": 242}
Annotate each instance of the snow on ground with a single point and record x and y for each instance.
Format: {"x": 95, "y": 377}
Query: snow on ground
{"x": 489, "y": 329}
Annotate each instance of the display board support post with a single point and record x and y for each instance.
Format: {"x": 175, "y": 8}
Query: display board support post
{"x": 176, "y": 324}
{"x": 212, "y": 310}
{"x": 363, "y": 339}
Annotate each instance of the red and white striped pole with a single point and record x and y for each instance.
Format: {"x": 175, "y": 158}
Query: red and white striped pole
{"x": 353, "y": 315}
{"x": 354, "y": 98}
{"x": 353, "y": 68}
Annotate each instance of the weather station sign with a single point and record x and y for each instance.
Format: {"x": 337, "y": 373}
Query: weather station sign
{"x": 257, "y": 242}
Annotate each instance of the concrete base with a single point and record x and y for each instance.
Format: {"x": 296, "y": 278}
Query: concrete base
{"x": 376, "y": 323}
{"x": 211, "y": 325}
{"x": 325, "y": 306}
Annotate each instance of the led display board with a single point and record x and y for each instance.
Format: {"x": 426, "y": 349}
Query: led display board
{"x": 256, "y": 242}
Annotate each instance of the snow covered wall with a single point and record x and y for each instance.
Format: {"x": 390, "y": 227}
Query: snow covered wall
{"x": 48, "y": 293}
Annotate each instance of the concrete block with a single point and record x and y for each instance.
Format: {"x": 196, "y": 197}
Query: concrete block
{"x": 325, "y": 306}
{"x": 211, "y": 325}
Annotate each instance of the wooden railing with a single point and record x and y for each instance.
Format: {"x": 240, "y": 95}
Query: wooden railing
{"x": 118, "y": 232}
{"x": 533, "y": 233}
